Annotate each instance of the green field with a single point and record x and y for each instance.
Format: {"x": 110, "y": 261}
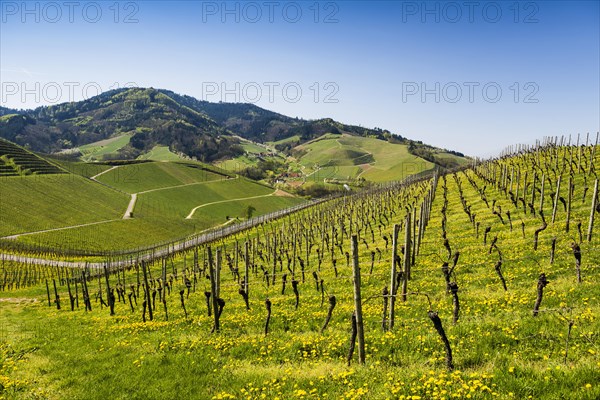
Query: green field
{"x": 500, "y": 350}
{"x": 41, "y": 202}
{"x": 237, "y": 164}
{"x": 160, "y": 153}
{"x": 343, "y": 156}
{"x": 291, "y": 139}
{"x": 71, "y": 212}
{"x": 135, "y": 178}
{"x": 167, "y": 194}
{"x": 97, "y": 150}
{"x": 179, "y": 202}
{"x": 214, "y": 213}
{"x": 82, "y": 168}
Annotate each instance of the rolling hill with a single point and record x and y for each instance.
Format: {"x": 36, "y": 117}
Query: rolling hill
{"x": 129, "y": 123}
{"x": 84, "y": 208}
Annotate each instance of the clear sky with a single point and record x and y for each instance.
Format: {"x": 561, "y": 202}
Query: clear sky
{"x": 473, "y": 76}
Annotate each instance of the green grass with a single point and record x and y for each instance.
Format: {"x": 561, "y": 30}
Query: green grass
{"x": 290, "y": 139}
{"x": 82, "y": 168}
{"x": 154, "y": 223}
{"x": 117, "y": 235}
{"x": 160, "y": 153}
{"x": 167, "y": 193}
{"x": 338, "y": 172}
{"x": 43, "y": 202}
{"x": 141, "y": 177}
{"x": 253, "y": 148}
{"x": 217, "y": 213}
{"x": 237, "y": 164}
{"x": 97, "y": 150}
{"x": 341, "y": 155}
{"x": 159, "y": 215}
{"x": 179, "y": 202}
{"x": 500, "y": 350}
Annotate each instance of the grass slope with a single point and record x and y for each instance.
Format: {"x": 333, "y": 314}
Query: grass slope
{"x": 179, "y": 202}
{"x": 344, "y": 156}
{"x": 82, "y": 168}
{"x": 159, "y": 215}
{"x": 500, "y": 350}
{"x": 134, "y": 178}
{"x": 97, "y": 150}
{"x": 43, "y": 202}
{"x": 160, "y": 153}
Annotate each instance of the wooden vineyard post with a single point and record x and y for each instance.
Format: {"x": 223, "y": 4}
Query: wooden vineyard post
{"x": 592, "y": 211}
{"x": 273, "y": 280}
{"x": 357, "y": 301}
{"x": 48, "y": 293}
{"x": 541, "y": 209}
{"x": 556, "y": 197}
{"x": 148, "y": 300}
{"x": 213, "y": 288}
{"x": 218, "y": 275}
{"x": 518, "y": 184}
{"x": 71, "y": 297}
{"x": 569, "y": 199}
{"x": 533, "y": 191}
{"x": 406, "y": 274}
{"x": 393, "y": 273}
{"x": 593, "y": 154}
{"x": 414, "y": 235}
{"x": 421, "y": 227}
{"x": 86, "y": 293}
{"x": 246, "y": 268}
{"x": 109, "y": 297}
{"x": 56, "y": 296}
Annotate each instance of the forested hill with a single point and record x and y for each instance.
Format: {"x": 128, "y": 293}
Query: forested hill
{"x": 187, "y": 125}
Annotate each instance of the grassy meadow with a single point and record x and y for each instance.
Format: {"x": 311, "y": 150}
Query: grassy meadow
{"x": 500, "y": 350}
{"x": 344, "y": 156}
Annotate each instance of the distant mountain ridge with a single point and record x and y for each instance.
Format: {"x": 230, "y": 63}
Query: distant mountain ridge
{"x": 185, "y": 124}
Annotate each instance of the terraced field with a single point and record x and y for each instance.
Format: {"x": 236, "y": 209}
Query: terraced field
{"x": 15, "y": 160}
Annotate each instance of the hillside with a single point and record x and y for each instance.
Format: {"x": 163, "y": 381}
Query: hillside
{"x": 345, "y": 157}
{"x": 92, "y": 208}
{"x": 490, "y": 291}
{"x": 148, "y": 116}
{"x": 15, "y": 161}
{"x": 129, "y": 123}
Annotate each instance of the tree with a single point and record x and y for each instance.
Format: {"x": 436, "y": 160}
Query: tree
{"x": 249, "y": 211}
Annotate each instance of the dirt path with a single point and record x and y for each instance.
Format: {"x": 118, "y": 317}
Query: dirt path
{"x": 134, "y": 196}
{"x": 130, "y": 206}
{"x": 191, "y": 214}
{"x": 58, "y": 229}
{"x": 104, "y": 172}
{"x": 182, "y": 185}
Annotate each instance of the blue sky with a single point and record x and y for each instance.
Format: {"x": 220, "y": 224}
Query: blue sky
{"x": 474, "y": 77}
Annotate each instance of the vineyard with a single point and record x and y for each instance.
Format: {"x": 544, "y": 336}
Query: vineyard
{"x": 100, "y": 209}
{"x": 481, "y": 282}
{"x": 15, "y": 161}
